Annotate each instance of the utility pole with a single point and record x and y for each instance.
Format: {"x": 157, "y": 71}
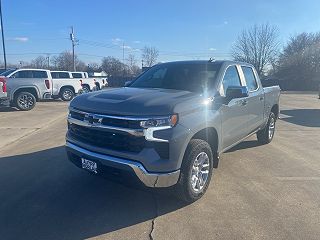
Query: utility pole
{"x": 3, "y": 45}
{"x": 48, "y": 59}
{"x": 124, "y": 66}
{"x": 73, "y": 40}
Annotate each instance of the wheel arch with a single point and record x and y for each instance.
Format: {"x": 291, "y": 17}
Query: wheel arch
{"x": 275, "y": 110}
{"x": 210, "y": 135}
{"x": 67, "y": 86}
{"x": 33, "y": 90}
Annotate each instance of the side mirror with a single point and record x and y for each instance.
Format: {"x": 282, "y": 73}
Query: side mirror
{"x": 236, "y": 92}
{"x": 127, "y": 83}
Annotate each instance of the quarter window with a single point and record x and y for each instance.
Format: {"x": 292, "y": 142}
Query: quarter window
{"x": 231, "y": 78}
{"x": 250, "y": 78}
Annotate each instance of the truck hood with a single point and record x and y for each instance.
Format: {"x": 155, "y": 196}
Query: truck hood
{"x": 135, "y": 101}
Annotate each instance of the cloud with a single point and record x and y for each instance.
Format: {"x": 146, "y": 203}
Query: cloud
{"x": 127, "y": 47}
{"x": 137, "y": 41}
{"x": 116, "y": 41}
{"x": 212, "y": 49}
{"x": 19, "y": 39}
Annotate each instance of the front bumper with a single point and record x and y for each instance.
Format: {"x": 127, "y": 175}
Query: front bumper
{"x": 147, "y": 178}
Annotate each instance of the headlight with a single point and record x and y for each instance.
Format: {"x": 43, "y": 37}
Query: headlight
{"x": 168, "y": 121}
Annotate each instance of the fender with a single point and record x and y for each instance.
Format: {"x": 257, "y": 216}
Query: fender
{"x": 12, "y": 93}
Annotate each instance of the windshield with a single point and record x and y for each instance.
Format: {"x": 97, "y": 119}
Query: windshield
{"x": 6, "y": 73}
{"x": 190, "y": 77}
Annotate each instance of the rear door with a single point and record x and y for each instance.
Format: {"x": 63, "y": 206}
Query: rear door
{"x": 234, "y": 114}
{"x": 255, "y": 105}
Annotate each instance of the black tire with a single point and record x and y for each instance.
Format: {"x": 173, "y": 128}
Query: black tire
{"x": 25, "y": 101}
{"x": 85, "y": 88}
{"x": 66, "y": 94}
{"x": 266, "y": 135}
{"x": 185, "y": 189}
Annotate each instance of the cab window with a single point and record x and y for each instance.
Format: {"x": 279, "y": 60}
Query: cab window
{"x": 231, "y": 78}
{"x": 250, "y": 78}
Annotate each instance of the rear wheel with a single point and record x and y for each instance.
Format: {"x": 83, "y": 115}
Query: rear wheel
{"x": 25, "y": 101}
{"x": 196, "y": 171}
{"x": 85, "y": 88}
{"x": 265, "y": 135}
{"x": 67, "y": 94}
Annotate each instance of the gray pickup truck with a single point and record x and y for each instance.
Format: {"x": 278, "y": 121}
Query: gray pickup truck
{"x": 169, "y": 126}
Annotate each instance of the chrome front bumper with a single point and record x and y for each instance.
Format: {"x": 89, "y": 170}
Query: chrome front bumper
{"x": 148, "y": 179}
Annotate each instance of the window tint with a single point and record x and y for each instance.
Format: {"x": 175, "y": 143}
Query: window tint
{"x": 64, "y": 75}
{"x": 77, "y": 75}
{"x": 250, "y": 78}
{"x": 23, "y": 74}
{"x": 39, "y": 74}
{"x": 231, "y": 78}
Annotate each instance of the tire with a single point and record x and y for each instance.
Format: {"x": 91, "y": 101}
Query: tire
{"x": 189, "y": 188}
{"x": 265, "y": 135}
{"x": 67, "y": 94}
{"x": 85, "y": 88}
{"x": 25, "y": 101}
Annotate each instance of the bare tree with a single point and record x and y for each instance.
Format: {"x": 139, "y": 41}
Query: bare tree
{"x": 257, "y": 45}
{"x": 299, "y": 63}
{"x": 65, "y": 62}
{"x": 113, "y": 66}
{"x": 133, "y": 68}
{"x": 39, "y": 62}
{"x": 149, "y": 56}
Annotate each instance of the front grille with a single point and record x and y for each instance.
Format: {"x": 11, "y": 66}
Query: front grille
{"x": 112, "y": 121}
{"x": 107, "y": 139}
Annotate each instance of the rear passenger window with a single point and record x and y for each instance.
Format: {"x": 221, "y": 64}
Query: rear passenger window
{"x": 64, "y": 75}
{"x": 250, "y": 78}
{"x": 76, "y": 75}
{"x": 231, "y": 78}
{"x": 40, "y": 74}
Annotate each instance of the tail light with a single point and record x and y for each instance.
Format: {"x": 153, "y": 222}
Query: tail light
{"x": 4, "y": 84}
{"x": 47, "y": 83}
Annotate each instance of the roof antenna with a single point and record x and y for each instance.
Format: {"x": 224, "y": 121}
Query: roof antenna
{"x": 211, "y": 59}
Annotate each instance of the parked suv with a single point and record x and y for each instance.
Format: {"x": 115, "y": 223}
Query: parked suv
{"x": 169, "y": 126}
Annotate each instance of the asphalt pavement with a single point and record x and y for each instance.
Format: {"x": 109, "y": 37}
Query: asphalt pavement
{"x": 257, "y": 192}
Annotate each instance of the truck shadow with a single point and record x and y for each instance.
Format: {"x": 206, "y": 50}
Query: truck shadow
{"x": 43, "y": 196}
{"x": 302, "y": 117}
{"x": 244, "y": 145}
{"x": 8, "y": 109}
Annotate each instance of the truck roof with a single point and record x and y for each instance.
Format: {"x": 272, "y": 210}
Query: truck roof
{"x": 208, "y": 61}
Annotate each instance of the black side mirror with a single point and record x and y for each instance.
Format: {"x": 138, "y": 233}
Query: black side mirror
{"x": 127, "y": 83}
{"x": 236, "y": 92}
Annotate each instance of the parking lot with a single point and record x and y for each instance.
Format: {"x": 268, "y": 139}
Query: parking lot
{"x": 257, "y": 192}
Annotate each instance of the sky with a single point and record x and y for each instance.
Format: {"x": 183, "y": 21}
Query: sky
{"x": 179, "y": 29}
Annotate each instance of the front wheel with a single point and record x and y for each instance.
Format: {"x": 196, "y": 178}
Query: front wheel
{"x": 196, "y": 171}
{"x": 265, "y": 135}
{"x": 67, "y": 94}
{"x": 25, "y": 101}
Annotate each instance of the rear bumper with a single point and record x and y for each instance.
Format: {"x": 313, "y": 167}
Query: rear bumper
{"x": 4, "y": 101}
{"x": 147, "y": 178}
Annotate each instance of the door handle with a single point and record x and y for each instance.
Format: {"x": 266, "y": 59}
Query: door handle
{"x": 261, "y": 98}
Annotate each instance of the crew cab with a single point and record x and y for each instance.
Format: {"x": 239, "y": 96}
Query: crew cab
{"x": 27, "y": 86}
{"x": 64, "y": 85}
{"x": 170, "y": 125}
